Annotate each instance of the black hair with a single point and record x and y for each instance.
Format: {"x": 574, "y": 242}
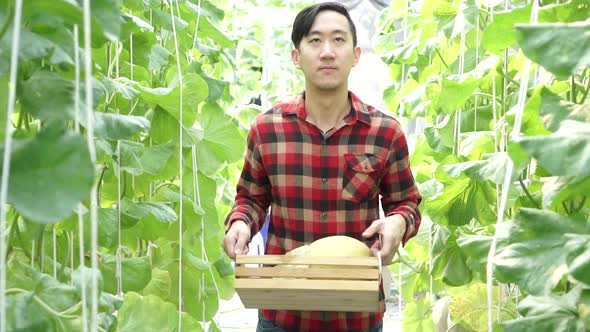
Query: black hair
{"x": 304, "y": 20}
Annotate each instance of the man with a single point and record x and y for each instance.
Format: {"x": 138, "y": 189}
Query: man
{"x": 321, "y": 162}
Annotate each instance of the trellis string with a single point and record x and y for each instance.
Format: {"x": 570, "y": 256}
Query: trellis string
{"x": 508, "y": 175}
{"x": 6, "y": 161}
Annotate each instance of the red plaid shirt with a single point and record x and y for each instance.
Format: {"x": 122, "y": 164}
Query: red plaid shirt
{"x": 319, "y": 185}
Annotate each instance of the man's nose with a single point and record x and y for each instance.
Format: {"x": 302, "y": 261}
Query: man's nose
{"x": 327, "y": 50}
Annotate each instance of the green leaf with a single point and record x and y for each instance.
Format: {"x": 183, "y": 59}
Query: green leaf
{"x": 548, "y": 313}
{"x": 108, "y": 231}
{"x": 108, "y": 14}
{"x": 158, "y": 57}
{"x": 136, "y": 272}
{"x": 501, "y": 33}
{"x": 195, "y": 90}
{"x": 121, "y": 85}
{"x": 210, "y": 29}
{"x": 159, "y": 285}
{"x": 578, "y": 258}
{"x": 118, "y": 126}
{"x": 222, "y": 143}
{"x": 565, "y": 152}
{"x": 139, "y": 313}
{"x": 417, "y": 317}
{"x": 553, "y": 110}
{"x": 492, "y": 168}
{"x": 199, "y": 263}
{"x": 49, "y": 96}
{"x": 455, "y": 92}
{"x": 216, "y": 87}
{"x": 475, "y": 247}
{"x": 155, "y": 157}
{"x": 131, "y": 153}
{"x": 50, "y": 175}
{"x": 557, "y": 190}
{"x": 142, "y": 47}
{"x": 163, "y": 19}
{"x": 537, "y": 245}
{"x": 24, "y": 314}
{"x": 461, "y": 201}
{"x": 559, "y": 47}
{"x": 159, "y": 210}
{"x": 456, "y": 272}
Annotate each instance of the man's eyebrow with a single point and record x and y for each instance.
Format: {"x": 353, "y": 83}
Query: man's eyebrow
{"x": 334, "y": 32}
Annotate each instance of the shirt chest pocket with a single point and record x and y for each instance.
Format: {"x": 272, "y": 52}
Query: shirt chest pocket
{"x": 361, "y": 176}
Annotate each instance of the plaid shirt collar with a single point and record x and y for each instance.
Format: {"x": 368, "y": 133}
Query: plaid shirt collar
{"x": 358, "y": 110}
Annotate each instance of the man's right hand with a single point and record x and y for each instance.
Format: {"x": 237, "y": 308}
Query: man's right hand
{"x": 236, "y": 239}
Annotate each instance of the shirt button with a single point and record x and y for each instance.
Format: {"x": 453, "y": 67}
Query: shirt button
{"x": 324, "y": 142}
{"x": 324, "y": 215}
{"x": 324, "y": 180}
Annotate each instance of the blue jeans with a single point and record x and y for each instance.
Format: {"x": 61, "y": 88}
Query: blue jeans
{"x": 265, "y": 325}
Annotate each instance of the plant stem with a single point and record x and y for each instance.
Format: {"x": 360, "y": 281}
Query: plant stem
{"x": 565, "y": 208}
{"x": 581, "y": 205}
{"x": 98, "y": 185}
{"x": 403, "y": 261}
{"x": 40, "y": 246}
{"x": 13, "y": 229}
{"x": 573, "y": 89}
{"x": 583, "y": 99}
{"x": 8, "y": 22}
{"x": 441, "y": 58}
{"x": 528, "y": 194}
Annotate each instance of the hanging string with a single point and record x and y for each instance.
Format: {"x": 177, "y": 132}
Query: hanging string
{"x": 459, "y": 112}
{"x": 6, "y": 161}
{"x": 476, "y": 63}
{"x": 524, "y": 80}
{"x": 118, "y": 271}
{"x": 180, "y": 164}
{"x": 197, "y": 25}
{"x": 79, "y": 211}
{"x": 70, "y": 236}
{"x": 92, "y": 149}
{"x": 430, "y": 279}
{"x": 54, "y": 240}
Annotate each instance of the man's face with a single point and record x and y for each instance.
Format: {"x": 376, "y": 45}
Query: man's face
{"x": 326, "y": 54}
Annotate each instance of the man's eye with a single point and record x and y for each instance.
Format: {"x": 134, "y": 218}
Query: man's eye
{"x": 315, "y": 40}
{"x": 340, "y": 39}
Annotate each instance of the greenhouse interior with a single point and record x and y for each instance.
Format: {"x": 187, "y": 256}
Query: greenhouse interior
{"x": 126, "y": 137}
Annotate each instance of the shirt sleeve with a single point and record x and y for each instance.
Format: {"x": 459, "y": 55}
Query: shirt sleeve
{"x": 253, "y": 188}
{"x": 400, "y": 194}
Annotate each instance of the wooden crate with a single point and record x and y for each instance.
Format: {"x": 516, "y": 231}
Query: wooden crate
{"x": 327, "y": 284}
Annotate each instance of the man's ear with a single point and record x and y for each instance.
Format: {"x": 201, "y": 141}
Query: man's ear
{"x": 295, "y": 58}
{"x": 357, "y": 55}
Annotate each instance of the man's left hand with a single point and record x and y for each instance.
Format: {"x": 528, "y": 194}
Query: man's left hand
{"x": 392, "y": 230}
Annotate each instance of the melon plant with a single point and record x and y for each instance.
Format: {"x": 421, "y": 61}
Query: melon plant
{"x": 502, "y": 96}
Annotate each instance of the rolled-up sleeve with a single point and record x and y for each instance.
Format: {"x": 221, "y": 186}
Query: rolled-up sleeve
{"x": 253, "y": 188}
{"x": 400, "y": 194}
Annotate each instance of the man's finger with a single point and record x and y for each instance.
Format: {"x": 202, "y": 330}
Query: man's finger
{"x": 241, "y": 246}
{"x": 372, "y": 230}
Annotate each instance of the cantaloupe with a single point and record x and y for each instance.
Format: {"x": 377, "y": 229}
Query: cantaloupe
{"x": 337, "y": 245}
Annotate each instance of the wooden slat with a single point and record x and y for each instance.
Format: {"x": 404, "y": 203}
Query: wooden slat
{"x": 307, "y": 260}
{"x": 311, "y": 273}
{"x": 301, "y": 294}
{"x": 309, "y": 284}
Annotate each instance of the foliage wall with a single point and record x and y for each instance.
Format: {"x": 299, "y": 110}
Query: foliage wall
{"x": 497, "y": 93}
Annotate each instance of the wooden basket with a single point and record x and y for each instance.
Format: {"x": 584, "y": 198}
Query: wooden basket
{"x": 327, "y": 284}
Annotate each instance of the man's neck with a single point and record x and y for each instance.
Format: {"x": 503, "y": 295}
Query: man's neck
{"x": 326, "y": 110}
